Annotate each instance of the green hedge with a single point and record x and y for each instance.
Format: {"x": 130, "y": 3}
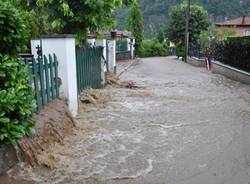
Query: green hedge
{"x": 234, "y": 52}
{"x": 12, "y": 29}
{"x": 16, "y": 98}
{"x": 150, "y": 48}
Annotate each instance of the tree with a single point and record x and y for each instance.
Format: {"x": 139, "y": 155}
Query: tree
{"x": 80, "y": 16}
{"x": 160, "y": 36}
{"x": 214, "y": 35}
{"x": 135, "y": 24}
{"x": 175, "y": 26}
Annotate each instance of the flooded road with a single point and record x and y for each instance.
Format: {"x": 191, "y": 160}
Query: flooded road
{"x": 183, "y": 126}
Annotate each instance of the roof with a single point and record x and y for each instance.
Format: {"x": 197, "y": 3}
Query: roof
{"x": 119, "y": 34}
{"x": 241, "y": 21}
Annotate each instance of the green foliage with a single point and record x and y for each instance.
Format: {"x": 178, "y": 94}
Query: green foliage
{"x": 80, "y": 17}
{"x": 16, "y": 101}
{"x": 151, "y": 48}
{"x": 214, "y": 35}
{"x": 234, "y": 52}
{"x": 12, "y": 29}
{"x": 175, "y": 27}
{"x": 160, "y": 36}
{"x": 135, "y": 24}
{"x": 180, "y": 51}
{"x": 154, "y": 12}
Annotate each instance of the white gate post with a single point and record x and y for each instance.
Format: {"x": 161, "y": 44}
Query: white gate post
{"x": 128, "y": 44}
{"x": 63, "y": 46}
{"x": 132, "y": 42}
{"x": 102, "y": 43}
{"x": 112, "y": 55}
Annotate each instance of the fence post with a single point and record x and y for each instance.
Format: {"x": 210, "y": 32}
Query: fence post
{"x": 112, "y": 55}
{"x": 63, "y": 46}
{"x": 128, "y": 44}
{"x": 102, "y": 43}
{"x": 132, "y": 48}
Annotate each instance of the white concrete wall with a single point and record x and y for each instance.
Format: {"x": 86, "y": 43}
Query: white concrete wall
{"x": 91, "y": 42}
{"x": 34, "y": 43}
{"x": 102, "y": 43}
{"x": 64, "y": 48}
{"x": 111, "y": 55}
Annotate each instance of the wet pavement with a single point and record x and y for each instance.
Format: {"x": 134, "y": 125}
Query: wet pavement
{"x": 183, "y": 125}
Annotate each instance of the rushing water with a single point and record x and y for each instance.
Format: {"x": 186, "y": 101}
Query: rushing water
{"x": 187, "y": 126}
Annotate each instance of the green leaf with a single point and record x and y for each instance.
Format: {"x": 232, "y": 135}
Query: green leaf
{"x": 4, "y": 120}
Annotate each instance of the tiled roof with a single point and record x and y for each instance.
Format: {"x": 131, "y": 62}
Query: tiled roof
{"x": 241, "y": 21}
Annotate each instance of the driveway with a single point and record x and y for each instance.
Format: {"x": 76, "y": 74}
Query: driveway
{"x": 183, "y": 125}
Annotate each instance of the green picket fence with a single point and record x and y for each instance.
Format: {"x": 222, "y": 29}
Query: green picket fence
{"x": 121, "y": 46}
{"x": 44, "y": 80}
{"x": 88, "y": 67}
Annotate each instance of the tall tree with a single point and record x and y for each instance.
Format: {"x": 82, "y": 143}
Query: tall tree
{"x": 175, "y": 26}
{"x": 80, "y": 16}
{"x": 135, "y": 24}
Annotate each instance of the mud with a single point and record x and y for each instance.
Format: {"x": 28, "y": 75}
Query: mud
{"x": 186, "y": 126}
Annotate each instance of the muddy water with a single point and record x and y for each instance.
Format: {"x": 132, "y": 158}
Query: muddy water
{"x": 185, "y": 126}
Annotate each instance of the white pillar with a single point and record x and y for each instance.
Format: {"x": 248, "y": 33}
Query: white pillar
{"x": 128, "y": 44}
{"x": 91, "y": 42}
{"x": 132, "y": 48}
{"x": 102, "y": 43}
{"x": 64, "y": 48}
{"x": 112, "y": 55}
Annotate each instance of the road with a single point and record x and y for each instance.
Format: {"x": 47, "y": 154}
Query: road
{"x": 184, "y": 125}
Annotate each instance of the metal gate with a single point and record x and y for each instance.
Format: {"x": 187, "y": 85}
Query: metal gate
{"x": 88, "y": 67}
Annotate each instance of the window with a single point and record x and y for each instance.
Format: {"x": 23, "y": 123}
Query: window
{"x": 247, "y": 32}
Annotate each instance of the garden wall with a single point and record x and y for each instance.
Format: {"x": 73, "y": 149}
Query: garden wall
{"x": 231, "y": 72}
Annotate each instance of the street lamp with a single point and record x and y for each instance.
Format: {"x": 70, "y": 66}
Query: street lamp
{"x": 187, "y": 30}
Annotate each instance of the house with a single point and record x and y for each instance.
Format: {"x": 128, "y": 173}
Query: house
{"x": 241, "y": 25}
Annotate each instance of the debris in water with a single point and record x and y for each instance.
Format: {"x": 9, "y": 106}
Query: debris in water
{"x": 53, "y": 124}
{"x": 95, "y": 97}
{"x": 115, "y": 81}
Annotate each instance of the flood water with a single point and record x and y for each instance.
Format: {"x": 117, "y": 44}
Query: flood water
{"x": 183, "y": 126}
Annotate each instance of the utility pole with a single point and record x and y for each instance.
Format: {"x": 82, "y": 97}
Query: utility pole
{"x": 187, "y": 31}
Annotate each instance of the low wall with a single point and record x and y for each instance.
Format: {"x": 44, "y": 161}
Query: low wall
{"x": 230, "y": 72}
{"x": 196, "y": 62}
{"x": 123, "y": 55}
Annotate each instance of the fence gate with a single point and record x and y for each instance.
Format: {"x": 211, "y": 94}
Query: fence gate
{"x": 122, "y": 52}
{"x": 44, "y": 80}
{"x": 88, "y": 67}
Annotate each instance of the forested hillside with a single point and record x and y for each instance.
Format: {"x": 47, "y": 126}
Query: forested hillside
{"x": 155, "y": 12}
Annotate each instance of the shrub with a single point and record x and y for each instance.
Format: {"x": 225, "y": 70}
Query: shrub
{"x": 180, "y": 51}
{"x": 16, "y": 100}
{"x": 234, "y": 52}
{"x": 151, "y": 48}
{"x": 12, "y": 29}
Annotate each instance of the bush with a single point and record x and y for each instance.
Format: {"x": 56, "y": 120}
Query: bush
{"x": 12, "y": 29}
{"x": 180, "y": 51}
{"x": 234, "y": 52}
{"x": 151, "y": 48}
{"x": 16, "y": 100}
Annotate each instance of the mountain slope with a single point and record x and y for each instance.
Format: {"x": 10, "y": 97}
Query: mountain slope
{"x": 155, "y": 12}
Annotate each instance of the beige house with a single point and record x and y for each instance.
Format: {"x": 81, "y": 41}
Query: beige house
{"x": 241, "y": 25}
